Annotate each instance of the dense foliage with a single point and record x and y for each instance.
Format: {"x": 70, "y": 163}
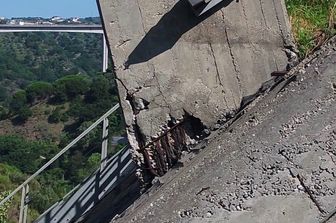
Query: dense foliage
{"x": 24, "y": 154}
{"x": 27, "y": 57}
{"x": 87, "y": 99}
{"x": 56, "y": 75}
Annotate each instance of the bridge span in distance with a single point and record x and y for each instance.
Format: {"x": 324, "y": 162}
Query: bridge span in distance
{"x": 94, "y": 29}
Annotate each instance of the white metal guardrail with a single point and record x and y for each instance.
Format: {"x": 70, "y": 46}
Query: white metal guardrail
{"x": 24, "y": 187}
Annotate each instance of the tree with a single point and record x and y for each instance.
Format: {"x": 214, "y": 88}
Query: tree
{"x": 71, "y": 86}
{"x": 24, "y": 154}
{"x": 9, "y": 175}
{"x": 39, "y": 90}
{"x": 24, "y": 113}
{"x": 3, "y": 112}
{"x": 3, "y": 93}
{"x": 99, "y": 89}
{"x": 18, "y": 101}
{"x": 55, "y": 116}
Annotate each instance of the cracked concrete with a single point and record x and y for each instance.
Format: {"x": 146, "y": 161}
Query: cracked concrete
{"x": 275, "y": 163}
{"x": 182, "y": 65}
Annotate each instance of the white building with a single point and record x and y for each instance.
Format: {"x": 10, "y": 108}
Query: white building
{"x": 13, "y": 22}
{"x": 75, "y": 20}
{"x": 22, "y": 23}
{"x": 47, "y": 23}
{"x": 57, "y": 19}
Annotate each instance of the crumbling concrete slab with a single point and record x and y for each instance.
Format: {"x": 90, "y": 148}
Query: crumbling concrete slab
{"x": 275, "y": 163}
{"x": 275, "y": 209}
{"x": 171, "y": 65}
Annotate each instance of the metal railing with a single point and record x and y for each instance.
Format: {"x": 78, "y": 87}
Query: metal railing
{"x": 24, "y": 187}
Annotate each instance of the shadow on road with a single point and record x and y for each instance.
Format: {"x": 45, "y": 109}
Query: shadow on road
{"x": 168, "y": 31}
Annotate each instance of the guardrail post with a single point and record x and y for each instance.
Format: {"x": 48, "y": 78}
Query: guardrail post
{"x": 105, "y": 54}
{"x": 24, "y": 204}
{"x": 104, "y": 144}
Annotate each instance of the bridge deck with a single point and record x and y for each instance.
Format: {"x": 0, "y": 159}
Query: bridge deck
{"x": 52, "y": 28}
{"x": 172, "y": 65}
{"x": 276, "y": 163}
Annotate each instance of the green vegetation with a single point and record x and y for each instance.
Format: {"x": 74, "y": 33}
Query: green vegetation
{"x": 18, "y": 101}
{"x": 76, "y": 98}
{"x": 23, "y": 114}
{"x": 24, "y": 154}
{"x": 28, "y": 57}
{"x": 69, "y": 87}
{"x": 51, "y": 91}
{"x": 39, "y": 90}
{"x": 313, "y": 22}
{"x": 4, "y": 209}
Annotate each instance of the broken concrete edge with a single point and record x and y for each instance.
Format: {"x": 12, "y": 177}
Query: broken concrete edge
{"x": 290, "y": 46}
{"x": 161, "y": 151}
{"x": 175, "y": 131}
{"x": 264, "y": 99}
{"x": 280, "y": 82}
{"x": 311, "y": 57}
{"x": 165, "y": 140}
{"x": 289, "y": 41}
{"x": 267, "y": 92}
{"x": 139, "y": 173}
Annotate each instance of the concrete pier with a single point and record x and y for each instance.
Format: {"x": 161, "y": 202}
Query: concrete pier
{"x": 172, "y": 65}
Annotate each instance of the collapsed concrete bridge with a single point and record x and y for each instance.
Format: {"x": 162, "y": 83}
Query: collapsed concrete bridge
{"x": 180, "y": 76}
{"x": 276, "y": 162}
{"x": 272, "y": 157}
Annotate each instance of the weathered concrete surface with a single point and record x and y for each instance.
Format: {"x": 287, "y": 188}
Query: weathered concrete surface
{"x": 170, "y": 64}
{"x": 276, "y": 163}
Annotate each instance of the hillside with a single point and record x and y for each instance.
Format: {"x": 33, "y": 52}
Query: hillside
{"x": 36, "y": 127}
{"x": 42, "y": 119}
{"x": 51, "y": 89}
{"x": 26, "y": 57}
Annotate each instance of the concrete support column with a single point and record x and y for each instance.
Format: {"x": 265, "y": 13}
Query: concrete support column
{"x": 180, "y": 67}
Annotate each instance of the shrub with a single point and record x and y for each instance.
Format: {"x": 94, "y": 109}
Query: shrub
{"x": 24, "y": 154}
{"x": 55, "y": 116}
{"x": 3, "y": 112}
{"x": 4, "y": 208}
{"x": 18, "y": 101}
{"x": 70, "y": 86}
{"x": 3, "y": 93}
{"x": 24, "y": 113}
{"x": 39, "y": 90}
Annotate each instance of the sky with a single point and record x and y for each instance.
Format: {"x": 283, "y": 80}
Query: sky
{"x": 48, "y": 8}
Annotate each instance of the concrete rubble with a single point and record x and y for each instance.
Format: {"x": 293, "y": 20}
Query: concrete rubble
{"x": 274, "y": 163}
{"x": 180, "y": 76}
